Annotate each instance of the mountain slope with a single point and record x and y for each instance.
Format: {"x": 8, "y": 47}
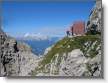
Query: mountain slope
{"x": 16, "y": 58}
{"x": 77, "y": 56}
{"x": 39, "y": 46}
{"x": 69, "y": 55}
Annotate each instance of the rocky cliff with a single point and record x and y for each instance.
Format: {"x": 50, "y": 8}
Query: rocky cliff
{"x": 71, "y": 56}
{"x": 76, "y": 56}
{"x": 94, "y": 24}
{"x": 16, "y": 57}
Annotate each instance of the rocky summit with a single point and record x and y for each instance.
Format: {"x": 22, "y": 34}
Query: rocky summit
{"x": 95, "y": 19}
{"x": 16, "y": 57}
{"x": 76, "y": 56}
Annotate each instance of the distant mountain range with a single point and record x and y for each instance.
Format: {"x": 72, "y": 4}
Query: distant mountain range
{"x": 32, "y": 36}
{"x": 38, "y": 42}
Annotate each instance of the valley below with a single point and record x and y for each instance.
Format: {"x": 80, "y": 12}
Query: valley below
{"x": 74, "y": 56}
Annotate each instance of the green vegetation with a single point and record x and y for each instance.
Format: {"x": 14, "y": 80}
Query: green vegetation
{"x": 66, "y": 45}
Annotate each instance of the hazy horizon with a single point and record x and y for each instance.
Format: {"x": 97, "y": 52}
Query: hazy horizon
{"x": 50, "y": 19}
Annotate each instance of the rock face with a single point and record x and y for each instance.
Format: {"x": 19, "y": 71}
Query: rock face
{"x": 9, "y": 57}
{"x": 76, "y": 56}
{"x": 95, "y": 18}
{"x": 16, "y": 57}
{"x": 74, "y": 65}
{"x": 72, "y": 56}
{"x": 77, "y": 64}
{"x": 76, "y": 59}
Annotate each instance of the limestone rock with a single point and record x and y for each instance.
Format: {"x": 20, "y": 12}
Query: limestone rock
{"x": 74, "y": 65}
{"x": 95, "y": 18}
{"x": 17, "y": 58}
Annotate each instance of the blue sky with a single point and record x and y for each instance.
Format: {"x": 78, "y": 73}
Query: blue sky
{"x": 47, "y": 18}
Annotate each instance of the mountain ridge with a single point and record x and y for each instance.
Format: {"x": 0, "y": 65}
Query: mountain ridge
{"x": 79, "y": 51}
{"x": 39, "y": 46}
{"x": 35, "y": 36}
{"x": 78, "y": 56}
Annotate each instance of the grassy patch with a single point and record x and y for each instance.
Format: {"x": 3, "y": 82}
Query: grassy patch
{"x": 67, "y": 45}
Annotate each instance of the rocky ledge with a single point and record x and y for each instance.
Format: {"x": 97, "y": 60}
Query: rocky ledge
{"x": 17, "y": 58}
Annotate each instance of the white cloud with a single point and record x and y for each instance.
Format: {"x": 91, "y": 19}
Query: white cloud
{"x": 52, "y": 31}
